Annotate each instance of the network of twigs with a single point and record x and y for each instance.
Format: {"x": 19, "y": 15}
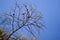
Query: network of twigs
{"x": 23, "y": 16}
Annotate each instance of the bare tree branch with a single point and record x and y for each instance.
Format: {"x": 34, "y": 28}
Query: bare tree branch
{"x": 23, "y": 16}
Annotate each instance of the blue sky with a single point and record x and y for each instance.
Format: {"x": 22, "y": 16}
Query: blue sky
{"x": 51, "y": 11}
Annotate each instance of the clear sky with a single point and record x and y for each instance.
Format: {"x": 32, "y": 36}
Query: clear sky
{"x": 51, "y": 11}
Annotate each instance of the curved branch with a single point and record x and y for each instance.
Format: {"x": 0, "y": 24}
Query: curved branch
{"x": 14, "y": 32}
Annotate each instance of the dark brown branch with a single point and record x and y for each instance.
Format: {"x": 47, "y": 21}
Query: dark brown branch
{"x": 14, "y": 32}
